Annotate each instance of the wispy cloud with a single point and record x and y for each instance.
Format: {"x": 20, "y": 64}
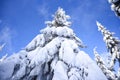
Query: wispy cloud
{"x": 0, "y": 21}
{"x": 6, "y": 37}
{"x": 2, "y": 46}
{"x": 43, "y": 10}
{"x": 86, "y": 12}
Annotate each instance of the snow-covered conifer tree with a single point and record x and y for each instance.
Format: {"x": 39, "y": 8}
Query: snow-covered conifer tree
{"x": 52, "y": 55}
{"x": 115, "y": 6}
{"x": 112, "y": 43}
{"x": 113, "y": 46}
{"x": 109, "y": 74}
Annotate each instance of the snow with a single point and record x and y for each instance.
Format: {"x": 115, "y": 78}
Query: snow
{"x": 35, "y": 71}
{"x": 3, "y": 58}
{"x": 100, "y": 62}
{"x": 47, "y": 52}
{"x": 82, "y": 59}
{"x": 52, "y": 55}
{"x": 113, "y": 49}
{"x": 20, "y": 73}
{"x": 59, "y": 31}
{"x": 5, "y": 71}
{"x": 60, "y": 71}
{"x": 54, "y": 62}
{"x": 66, "y": 52}
{"x": 37, "y": 41}
{"x": 78, "y": 62}
{"x": 115, "y": 6}
{"x": 7, "y": 67}
{"x": 61, "y": 18}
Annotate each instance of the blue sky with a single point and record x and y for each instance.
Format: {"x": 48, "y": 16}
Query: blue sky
{"x": 21, "y": 21}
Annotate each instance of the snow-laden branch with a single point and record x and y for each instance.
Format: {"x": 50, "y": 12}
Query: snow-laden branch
{"x": 109, "y": 74}
{"x": 115, "y": 6}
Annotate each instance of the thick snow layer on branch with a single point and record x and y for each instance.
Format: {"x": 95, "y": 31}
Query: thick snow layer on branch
{"x": 39, "y": 40}
{"x": 60, "y": 71}
{"x": 59, "y": 31}
{"x": 47, "y": 52}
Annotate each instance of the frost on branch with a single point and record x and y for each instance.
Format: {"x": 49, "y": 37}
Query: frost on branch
{"x": 115, "y": 6}
{"x": 113, "y": 46}
{"x": 109, "y": 74}
{"x": 52, "y": 55}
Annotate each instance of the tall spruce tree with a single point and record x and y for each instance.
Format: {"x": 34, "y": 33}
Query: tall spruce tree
{"x": 113, "y": 46}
